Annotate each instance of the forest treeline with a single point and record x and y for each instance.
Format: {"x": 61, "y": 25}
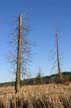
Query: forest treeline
{"x": 42, "y": 80}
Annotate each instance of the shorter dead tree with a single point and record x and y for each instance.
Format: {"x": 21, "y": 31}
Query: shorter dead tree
{"x": 58, "y": 61}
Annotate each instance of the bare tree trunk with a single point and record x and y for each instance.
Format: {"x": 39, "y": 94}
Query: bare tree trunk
{"x": 58, "y": 62}
{"x": 19, "y": 48}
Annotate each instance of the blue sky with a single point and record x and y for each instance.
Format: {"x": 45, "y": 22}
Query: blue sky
{"x": 47, "y": 17}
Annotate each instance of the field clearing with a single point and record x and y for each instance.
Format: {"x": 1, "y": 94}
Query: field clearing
{"x": 43, "y": 89}
{"x": 38, "y": 96}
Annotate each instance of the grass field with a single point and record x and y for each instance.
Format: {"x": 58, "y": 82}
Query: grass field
{"x": 39, "y": 96}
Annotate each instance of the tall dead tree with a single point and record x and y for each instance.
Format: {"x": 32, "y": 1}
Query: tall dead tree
{"x": 19, "y": 49}
{"x": 58, "y": 60}
{"x": 21, "y": 55}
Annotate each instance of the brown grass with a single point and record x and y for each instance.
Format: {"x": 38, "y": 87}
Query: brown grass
{"x": 42, "y": 96}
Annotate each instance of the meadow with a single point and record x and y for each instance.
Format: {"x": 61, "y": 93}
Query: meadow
{"x": 36, "y": 96}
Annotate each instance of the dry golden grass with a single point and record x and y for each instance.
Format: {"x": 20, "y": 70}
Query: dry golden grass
{"x": 39, "y": 96}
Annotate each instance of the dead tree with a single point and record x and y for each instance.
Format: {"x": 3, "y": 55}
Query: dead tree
{"x": 58, "y": 60}
{"x": 21, "y": 52}
{"x": 19, "y": 48}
